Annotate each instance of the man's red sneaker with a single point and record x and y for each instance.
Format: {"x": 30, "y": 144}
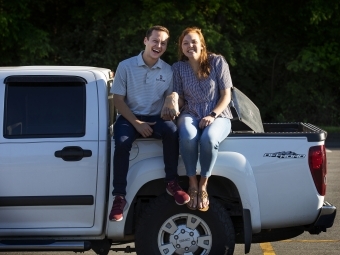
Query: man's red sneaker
{"x": 117, "y": 210}
{"x": 173, "y": 189}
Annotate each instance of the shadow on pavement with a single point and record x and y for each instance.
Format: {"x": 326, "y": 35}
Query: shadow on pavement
{"x": 333, "y": 141}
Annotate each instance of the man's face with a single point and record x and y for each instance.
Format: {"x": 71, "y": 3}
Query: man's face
{"x": 156, "y": 45}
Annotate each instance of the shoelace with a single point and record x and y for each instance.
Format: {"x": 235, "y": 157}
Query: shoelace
{"x": 174, "y": 186}
{"x": 118, "y": 203}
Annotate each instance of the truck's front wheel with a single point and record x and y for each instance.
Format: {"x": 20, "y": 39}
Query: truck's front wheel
{"x": 166, "y": 228}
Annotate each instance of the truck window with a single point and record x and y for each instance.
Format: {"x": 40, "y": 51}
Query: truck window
{"x": 44, "y": 107}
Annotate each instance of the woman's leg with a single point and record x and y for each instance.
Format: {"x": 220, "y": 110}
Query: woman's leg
{"x": 211, "y": 138}
{"x": 193, "y": 192}
{"x": 189, "y": 135}
{"x": 203, "y": 200}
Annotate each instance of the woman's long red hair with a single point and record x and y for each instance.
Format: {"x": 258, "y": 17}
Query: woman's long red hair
{"x": 204, "y": 64}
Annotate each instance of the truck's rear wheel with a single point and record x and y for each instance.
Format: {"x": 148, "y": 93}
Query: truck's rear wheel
{"x": 166, "y": 228}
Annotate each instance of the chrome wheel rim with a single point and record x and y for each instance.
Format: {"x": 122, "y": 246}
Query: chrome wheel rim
{"x": 184, "y": 233}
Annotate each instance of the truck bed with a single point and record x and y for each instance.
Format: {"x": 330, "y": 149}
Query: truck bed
{"x": 291, "y": 129}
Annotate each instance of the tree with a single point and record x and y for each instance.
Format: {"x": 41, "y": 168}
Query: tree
{"x": 21, "y": 41}
{"x": 283, "y": 54}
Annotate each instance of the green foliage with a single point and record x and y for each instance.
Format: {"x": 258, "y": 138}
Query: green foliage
{"x": 21, "y": 41}
{"x": 294, "y": 76}
{"x": 317, "y": 58}
{"x": 283, "y": 54}
{"x": 331, "y": 129}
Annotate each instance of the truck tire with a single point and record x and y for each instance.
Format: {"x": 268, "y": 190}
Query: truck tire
{"x": 167, "y": 228}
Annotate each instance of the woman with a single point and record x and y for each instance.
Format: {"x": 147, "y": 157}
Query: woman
{"x": 202, "y": 81}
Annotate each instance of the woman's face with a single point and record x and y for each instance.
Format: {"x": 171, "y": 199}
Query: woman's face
{"x": 191, "y": 46}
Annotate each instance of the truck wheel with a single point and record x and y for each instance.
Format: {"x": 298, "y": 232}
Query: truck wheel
{"x": 167, "y": 228}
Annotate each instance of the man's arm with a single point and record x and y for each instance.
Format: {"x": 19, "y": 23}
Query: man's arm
{"x": 142, "y": 127}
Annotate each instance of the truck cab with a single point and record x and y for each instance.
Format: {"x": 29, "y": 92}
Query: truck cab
{"x": 54, "y": 151}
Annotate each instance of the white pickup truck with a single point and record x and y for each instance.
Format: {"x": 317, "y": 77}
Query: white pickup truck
{"x": 56, "y": 151}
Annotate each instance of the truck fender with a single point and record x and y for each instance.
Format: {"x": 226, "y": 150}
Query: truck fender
{"x": 231, "y": 165}
{"x": 140, "y": 173}
{"x": 235, "y": 167}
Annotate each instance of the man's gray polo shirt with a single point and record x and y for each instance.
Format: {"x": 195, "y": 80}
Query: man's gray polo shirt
{"x": 144, "y": 88}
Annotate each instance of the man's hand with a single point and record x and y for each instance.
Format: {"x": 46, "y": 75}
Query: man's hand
{"x": 144, "y": 128}
{"x": 170, "y": 108}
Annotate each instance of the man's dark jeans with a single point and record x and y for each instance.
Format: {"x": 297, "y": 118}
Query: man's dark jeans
{"x": 125, "y": 134}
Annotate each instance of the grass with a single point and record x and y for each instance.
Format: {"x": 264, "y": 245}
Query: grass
{"x": 331, "y": 129}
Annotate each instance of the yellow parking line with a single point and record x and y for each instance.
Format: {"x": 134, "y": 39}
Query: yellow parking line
{"x": 311, "y": 241}
{"x": 267, "y": 249}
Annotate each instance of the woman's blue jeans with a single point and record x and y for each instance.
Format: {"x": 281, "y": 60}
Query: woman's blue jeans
{"x": 125, "y": 134}
{"x": 199, "y": 143}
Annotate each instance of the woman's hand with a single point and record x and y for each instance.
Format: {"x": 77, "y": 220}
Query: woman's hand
{"x": 206, "y": 121}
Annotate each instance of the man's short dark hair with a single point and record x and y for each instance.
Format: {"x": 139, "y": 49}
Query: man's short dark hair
{"x": 157, "y": 28}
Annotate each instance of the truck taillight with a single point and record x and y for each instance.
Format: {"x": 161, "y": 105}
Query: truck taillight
{"x": 318, "y": 167}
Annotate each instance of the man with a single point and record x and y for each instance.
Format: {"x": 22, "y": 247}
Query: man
{"x": 140, "y": 87}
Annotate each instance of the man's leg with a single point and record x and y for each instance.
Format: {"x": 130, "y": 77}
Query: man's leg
{"x": 167, "y": 131}
{"x": 124, "y": 135}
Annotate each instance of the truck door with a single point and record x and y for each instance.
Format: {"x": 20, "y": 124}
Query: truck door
{"x": 48, "y": 152}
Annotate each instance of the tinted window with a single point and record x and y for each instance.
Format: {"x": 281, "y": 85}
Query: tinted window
{"x": 44, "y": 109}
